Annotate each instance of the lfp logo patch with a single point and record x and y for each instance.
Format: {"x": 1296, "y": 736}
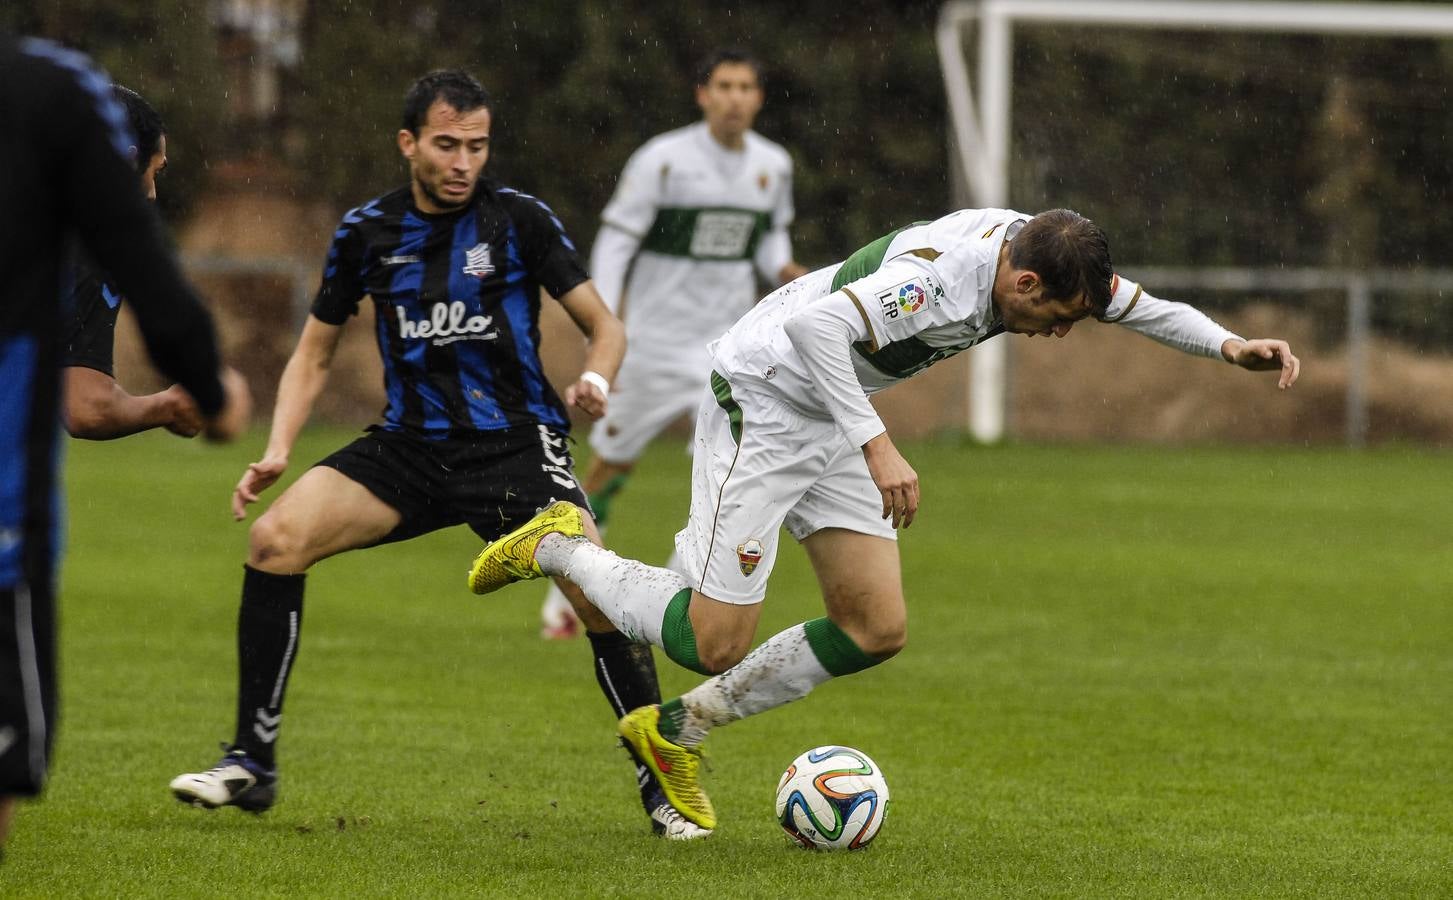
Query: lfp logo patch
{"x": 907, "y": 299}
{"x": 911, "y": 298}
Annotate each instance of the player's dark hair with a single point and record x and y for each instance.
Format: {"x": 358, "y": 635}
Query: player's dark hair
{"x": 455, "y": 87}
{"x": 146, "y": 124}
{"x": 1069, "y": 253}
{"x": 725, "y": 55}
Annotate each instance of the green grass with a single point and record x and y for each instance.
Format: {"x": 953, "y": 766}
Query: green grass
{"x": 1129, "y": 672}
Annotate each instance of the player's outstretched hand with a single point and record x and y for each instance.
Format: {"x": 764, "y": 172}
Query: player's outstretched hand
{"x": 236, "y": 410}
{"x": 1266, "y": 355}
{"x": 186, "y": 419}
{"x": 895, "y": 478}
{"x": 587, "y": 397}
{"x": 259, "y": 476}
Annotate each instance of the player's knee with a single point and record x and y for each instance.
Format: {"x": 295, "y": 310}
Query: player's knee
{"x": 274, "y": 546}
{"x": 883, "y": 640}
{"x": 719, "y": 651}
{"x": 881, "y": 637}
{"x": 717, "y": 657}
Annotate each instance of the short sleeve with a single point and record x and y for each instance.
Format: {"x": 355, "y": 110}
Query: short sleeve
{"x": 549, "y": 254}
{"x": 90, "y": 324}
{"x": 342, "y": 286}
{"x": 1124, "y": 295}
{"x": 904, "y": 296}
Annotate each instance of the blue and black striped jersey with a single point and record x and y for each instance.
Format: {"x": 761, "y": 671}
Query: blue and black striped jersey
{"x": 89, "y": 329}
{"x": 457, "y": 298}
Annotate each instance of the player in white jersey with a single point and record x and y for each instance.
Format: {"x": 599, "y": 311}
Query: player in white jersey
{"x": 699, "y": 214}
{"x": 791, "y": 439}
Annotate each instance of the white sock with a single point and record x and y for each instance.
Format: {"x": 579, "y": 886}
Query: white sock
{"x": 633, "y": 595}
{"x": 781, "y": 670}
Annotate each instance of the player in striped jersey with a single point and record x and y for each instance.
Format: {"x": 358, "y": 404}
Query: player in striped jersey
{"x": 473, "y": 433}
{"x": 96, "y": 406}
{"x": 788, "y": 437}
{"x": 699, "y": 215}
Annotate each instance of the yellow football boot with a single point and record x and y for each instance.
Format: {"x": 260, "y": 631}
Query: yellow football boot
{"x": 512, "y": 557}
{"x": 676, "y": 767}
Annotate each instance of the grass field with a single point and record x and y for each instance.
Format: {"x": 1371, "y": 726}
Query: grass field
{"x": 1130, "y": 672}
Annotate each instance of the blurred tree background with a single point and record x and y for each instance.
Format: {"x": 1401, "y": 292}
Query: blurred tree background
{"x": 1192, "y": 149}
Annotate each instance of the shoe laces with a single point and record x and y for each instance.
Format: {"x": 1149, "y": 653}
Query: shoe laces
{"x": 233, "y": 756}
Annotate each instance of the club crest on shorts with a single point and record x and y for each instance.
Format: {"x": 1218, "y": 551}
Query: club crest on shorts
{"x": 749, "y": 554}
{"x": 477, "y": 261}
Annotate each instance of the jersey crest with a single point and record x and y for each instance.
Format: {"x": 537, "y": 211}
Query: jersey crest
{"x": 477, "y": 261}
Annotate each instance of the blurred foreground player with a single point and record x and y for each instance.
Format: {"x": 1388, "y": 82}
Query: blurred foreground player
{"x": 64, "y": 151}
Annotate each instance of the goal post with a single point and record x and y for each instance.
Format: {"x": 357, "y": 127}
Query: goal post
{"x": 980, "y": 118}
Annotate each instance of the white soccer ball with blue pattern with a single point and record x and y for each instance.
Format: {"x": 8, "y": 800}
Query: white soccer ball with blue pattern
{"x": 832, "y": 798}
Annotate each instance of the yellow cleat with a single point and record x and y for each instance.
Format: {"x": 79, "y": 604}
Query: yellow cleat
{"x": 512, "y": 557}
{"x": 676, "y": 767}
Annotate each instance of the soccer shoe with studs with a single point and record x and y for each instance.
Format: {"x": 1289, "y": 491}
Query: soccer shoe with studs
{"x": 675, "y": 767}
{"x": 236, "y": 780}
{"x": 512, "y": 557}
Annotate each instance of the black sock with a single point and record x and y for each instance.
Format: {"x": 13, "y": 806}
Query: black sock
{"x": 626, "y": 672}
{"x": 268, "y": 625}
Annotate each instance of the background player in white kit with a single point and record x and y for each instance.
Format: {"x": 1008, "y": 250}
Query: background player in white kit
{"x": 698, "y": 215}
{"x": 792, "y": 440}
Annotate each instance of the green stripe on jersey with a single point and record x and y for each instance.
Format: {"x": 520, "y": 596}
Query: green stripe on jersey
{"x": 867, "y": 260}
{"x": 723, "y": 391}
{"x": 902, "y": 359}
{"x": 716, "y": 233}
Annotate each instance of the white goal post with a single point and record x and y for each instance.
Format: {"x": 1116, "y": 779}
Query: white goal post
{"x": 981, "y": 129}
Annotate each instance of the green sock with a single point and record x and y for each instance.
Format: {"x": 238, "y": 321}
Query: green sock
{"x": 677, "y": 638}
{"x": 834, "y": 649}
{"x": 673, "y": 716}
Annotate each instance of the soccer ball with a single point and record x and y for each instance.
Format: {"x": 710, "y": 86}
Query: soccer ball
{"x": 832, "y": 798}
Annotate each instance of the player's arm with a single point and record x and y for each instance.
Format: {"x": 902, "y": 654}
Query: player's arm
{"x": 303, "y": 379}
{"x": 99, "y": 409}
{"x": 1189, "y": 330}
{"x": 823, "y": 334}
{"x": 610, "y": 260}
{"x": 624, "y": 223}
{"x": 773, "y": 258}
{"x": 605, "y": 348}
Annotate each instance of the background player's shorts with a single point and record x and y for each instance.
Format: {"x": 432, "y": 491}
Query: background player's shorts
{"x": 649, "y": 393}
{"x": 27, "y": 686}
{"x": 492, "y": 481}
{"x": 760, "y": 464}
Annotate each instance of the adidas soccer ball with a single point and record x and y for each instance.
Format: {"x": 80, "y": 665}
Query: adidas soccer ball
{"x": 832, "y": 798}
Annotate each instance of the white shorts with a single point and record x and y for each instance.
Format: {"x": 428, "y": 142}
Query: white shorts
{"x": 648, "y": 395}
{"x": 761, "y": 464}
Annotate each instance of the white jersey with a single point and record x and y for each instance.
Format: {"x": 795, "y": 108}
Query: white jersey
{"x": 688, "y": 222}
{"x": 924, "y": 293}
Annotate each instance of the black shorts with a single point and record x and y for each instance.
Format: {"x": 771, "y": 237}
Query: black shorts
{"x": 492, "y": 481}
{"x": 27, "y": 686}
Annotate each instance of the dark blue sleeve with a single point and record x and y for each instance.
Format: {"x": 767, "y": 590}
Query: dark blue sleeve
{"x": 89, "y": 330}
{"x": 549, "y": 254}
{"x": 342, "y": 286}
